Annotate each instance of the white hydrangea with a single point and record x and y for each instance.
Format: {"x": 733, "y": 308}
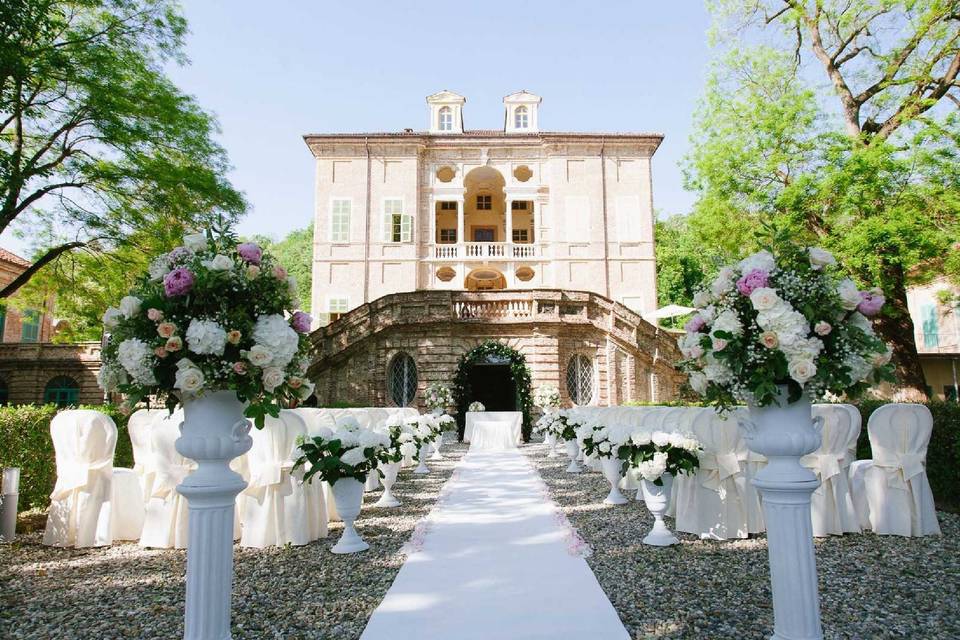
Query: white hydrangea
{"x": 195, "y": 241}
{"x": 130, "y": 306}
{"x": 849, "y": 294}
{"x": 353, "y": 457}
{"x": 110, "y": 377}
{"x": 762, "y": 260}
{"x": 159, "y": 268}
{"x": 206, "y": 337}
{"x": 640, "y": 438}
{"x": 702, "y": 298}
{"x": 276, "y": 334}
{"x": 135, "y": 356}
{"x": 370, "y": 439}
{"x": 723, "y": 282}
{"x": 408, "y": 449}
{"x": 728, "y": 321}
{"x": 660, "y": 438}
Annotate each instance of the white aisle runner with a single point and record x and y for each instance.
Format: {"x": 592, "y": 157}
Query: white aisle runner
{"x": 495, "y": 560}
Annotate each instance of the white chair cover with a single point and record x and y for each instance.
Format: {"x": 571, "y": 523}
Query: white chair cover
{"x": 858, "y": 491}
{"x": 165, "y": 524}
{"x": 831, "y": 504}
{"x": 711, "y": 503}
{"x": 279, "y": 508}
{"x": 138, "y": 427}
{"x": 898, "y": 492}
{"x": 84, "y": 442}
{"x": 127, "y": 511}
{"x": 315, "y": 419}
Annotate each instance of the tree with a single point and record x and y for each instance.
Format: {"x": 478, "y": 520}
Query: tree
{"x": 295, "y": 253}
{"x": 867, "y": 167}
{"x": 682, "y": 263}
{"x": 95, "y": 142}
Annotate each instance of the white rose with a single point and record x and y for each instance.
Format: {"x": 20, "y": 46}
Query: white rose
{"x": 219, "y": 263}
{"x": 353, "y": 457}
{"x": 660, "y": 438}
{"x": 640, "y": 438}
{"x": 764, "y": 298}
{"x": 272, "y": 378}
{"x": 111, "y": 318}
{"x": 698, "y": 382}
{"x": 702, "y": 299}
{"x": 408, "y": 449}
{"x": 206, "y": 337}
{"x": 604, "y": 447}
{"x": 762, "y": 260}
{"x": 275, "y": 333}
{"x": 188, "y": 379}
{"x": 820, "y": 258}
{"x": 849, "y": 294}
{"x": 195, "y": 241}
{"x": 259, "y": 355}
{"x": 801, "y": 370}
{"x": 130, "y": 306}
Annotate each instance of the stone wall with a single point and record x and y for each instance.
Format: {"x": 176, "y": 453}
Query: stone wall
{"x": 630, "y": 357}
{"x": 27, "y": 368}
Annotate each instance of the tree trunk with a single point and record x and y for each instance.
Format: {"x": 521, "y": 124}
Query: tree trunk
{"x": 895, "y": 327}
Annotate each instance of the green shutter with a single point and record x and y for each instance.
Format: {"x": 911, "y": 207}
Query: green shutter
{"x": 30, "y": 326}
{"x": 928, "y": 316}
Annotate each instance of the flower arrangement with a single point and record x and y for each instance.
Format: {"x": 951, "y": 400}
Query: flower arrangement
{"x": 604, "y": 441}
{"x": 553, "y": 424}
{"x": 568, "y": 424}
{"x": 446, "y": 423}
{"x": 402, "y": 443}
{"x": 424, "y": 429}
{"x": 653, "y": 454}
{"x": 438, "y": 396}
{"x": 783, "y": 316}
{"x": 211, "y": 315}
{"x": 547, "y": 396}
{"x": 345, "y": 452}
{"x": 476, "y": 406}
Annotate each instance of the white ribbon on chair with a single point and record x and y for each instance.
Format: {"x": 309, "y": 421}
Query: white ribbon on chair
{"x": 80, "y": 475}
{"x": 900, "y": 467}
{"x": 269, "y": 474}
{"x": 719, "y": 467}
{"x": 824, "y": 465}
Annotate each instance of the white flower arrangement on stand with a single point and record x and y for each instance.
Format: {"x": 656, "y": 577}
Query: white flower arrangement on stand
{"x": 570, "y": 422}
{"x": 606, "y": 443}
{"x": 344, "y": 457}
{"x": 476, "y": 406}
{"x": 424, "y": 428}
{"x": 547, "y": 397}
{"x": 773, "y": 331}
{"x": 402, "y": 446}
{"x": 551, "y": 426}
{"x": 438, "y": 396}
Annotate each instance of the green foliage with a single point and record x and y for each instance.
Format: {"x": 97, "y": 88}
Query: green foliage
{"x": 324, "y": 458}
{"x": 521, "y": 379}
{"x": 295, "y": 253}
{"x": 99, "y": 151}
{"x": 683, "y": 264}
{"x": 25, "y": 443}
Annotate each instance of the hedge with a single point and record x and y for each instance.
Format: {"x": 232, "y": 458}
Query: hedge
{"x": 25, "y": 443}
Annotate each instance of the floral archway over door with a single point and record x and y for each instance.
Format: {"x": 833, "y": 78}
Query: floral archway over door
{"x": 486, "y": 352}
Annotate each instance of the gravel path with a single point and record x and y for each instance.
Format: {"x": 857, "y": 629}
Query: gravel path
{"x": 875, "y": 587}
{"x": 294, "y": 593}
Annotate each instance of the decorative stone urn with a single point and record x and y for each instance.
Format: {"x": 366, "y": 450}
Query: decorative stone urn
{"x": 784, "y": 432}
{"x": 657, "y": 499}
{"x": 422, "y": 459}
{"x": 348, "y": 493}
{"x": 213, "y": 432}
{"x": 611, "y": 468}
{"x": 390, "y": 471}
{"x": 436, "y": 447}
{"x": 551, "y": 440}
{"x": 573, "y": 452}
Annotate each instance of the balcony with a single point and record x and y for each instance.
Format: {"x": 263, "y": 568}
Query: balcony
{"x": 484, "y": 251}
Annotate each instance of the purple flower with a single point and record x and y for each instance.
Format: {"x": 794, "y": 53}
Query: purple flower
{"x": 250, "y": 252}
{"x": 178, "y": 256}
{"x": 870, "y": 302}
{"x": 695, "y": 324}
{"x": 755, "y": 279}
{"x": 178, "y": 282}
{"x": 301, "y": 322}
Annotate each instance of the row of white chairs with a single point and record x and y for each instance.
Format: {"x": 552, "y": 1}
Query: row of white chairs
{"x": 889, "y": 494}
{"x": 94, "y": 503}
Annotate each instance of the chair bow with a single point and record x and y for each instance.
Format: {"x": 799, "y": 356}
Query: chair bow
{"x": 169, "y": 476}
{"x": 77, "y": 475}
{"x": 900, "y": 467}
{"x": 719, "y": 467}
{"x": 825, "y": 465}
{"x": 267, "y": 475}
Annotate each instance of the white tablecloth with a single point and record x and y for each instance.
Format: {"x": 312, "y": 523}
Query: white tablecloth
{"x": 514, "y": 420}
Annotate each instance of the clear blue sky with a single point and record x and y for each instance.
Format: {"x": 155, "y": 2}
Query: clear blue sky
{"x": 272, "y": 71}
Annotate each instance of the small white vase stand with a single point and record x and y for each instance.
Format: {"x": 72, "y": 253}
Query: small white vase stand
{"x": 573, "y": 452}
{"x": 436, "y": 447}
{"x": 348, "y": 493}
{"x": 422, "y": 459}
{"x": 551, "y": 441}
{"x": 657, "y": 499}
{"x": 390, "y": 471}
{"x": 611, "y": 471}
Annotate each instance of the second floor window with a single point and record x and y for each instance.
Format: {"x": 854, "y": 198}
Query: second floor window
{"x": 520, "y": 118}
{"x": 519, "y": 205}
{"x": 446, "y": 119}
{"x": 336, "y": 307}
{"x": 448, "y": 235}
{"x": 397, "y": 226}
{"x": 520, "y": 235}
{"x": 448, "y": 205}
{"x": 484, "y": 203}
{"x": 30, "y": 327}
{"x": 931, "y": 332}
{"x": 340, "y": 221}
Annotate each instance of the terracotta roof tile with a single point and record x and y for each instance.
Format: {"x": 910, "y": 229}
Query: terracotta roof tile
{"x": 9, "y": 256}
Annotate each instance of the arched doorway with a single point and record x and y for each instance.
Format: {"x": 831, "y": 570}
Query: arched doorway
{"x": 484, "y": 206}
{"x": 484, "y": 279}
{"x": 496, "y": 374}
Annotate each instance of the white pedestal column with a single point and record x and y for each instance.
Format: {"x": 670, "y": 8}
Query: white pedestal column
{"x": 213, "y": 433}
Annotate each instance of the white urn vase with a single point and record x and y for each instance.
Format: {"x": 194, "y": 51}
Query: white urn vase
{"x": 573, "y": 452}
{"x": 436, "y": 447}
{"x": 784, "y": 432}
{"x": 657, "y": 499}
{"x": 612, "y": 471}
{"x": 390, "y": 471}
{"x": 422, "y": 459}
{"x": 213, "y": 432}
{"x": 348, "y": 493}
{"x": 551, "y": 441}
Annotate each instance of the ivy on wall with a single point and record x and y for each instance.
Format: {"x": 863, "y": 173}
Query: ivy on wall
{"x": 462, "y": 393}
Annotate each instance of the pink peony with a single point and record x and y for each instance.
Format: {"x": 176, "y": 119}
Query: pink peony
{"x": 178, "y": 282}
{"x": 240, "y": 367}
{"x": 695, "y": 324}
{"x": 279, "y": 272}
{"x": 756, "y": 279}
{"x": 871, "y": 302}
{"x": 155, "y": 314}
{"x": 300, "y": 322}
{"x": 250, "y": 252}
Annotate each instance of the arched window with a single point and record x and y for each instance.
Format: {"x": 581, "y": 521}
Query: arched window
{"x": 62, "y": 391}
{"x": 446, "y": 119}
{"x": 4, "y": 392}
{"x": 520, "y": 118}
{"x": 580, "y": 379}
{"x": 402, "y": 379}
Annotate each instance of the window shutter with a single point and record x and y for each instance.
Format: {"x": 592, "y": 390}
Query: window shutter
{"x": 931, "y": 337}
{"x": 387, "y": 227}
{"x": 406, "y": 228}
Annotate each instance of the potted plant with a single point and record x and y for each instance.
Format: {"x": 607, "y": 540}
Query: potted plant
{"x": 424, "y": 429}
{"x": 476, "y": 406}
{"x": 567, "y": 431}
{"x": 780, "y": 327}
{"x": 605, "y": 443}
{"x": 437, "y": 396}
{"x": 343, "y": 457}
{"x": 213, "y": 326}
{"x": 443, "y": 423}
{"x": 401, "y": 446}
{"x": 547, "y": 397}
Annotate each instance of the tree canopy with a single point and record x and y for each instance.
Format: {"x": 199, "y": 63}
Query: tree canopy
{"x": 99, "y": 151}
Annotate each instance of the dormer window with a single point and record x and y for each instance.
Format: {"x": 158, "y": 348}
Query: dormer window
{"x": 446, "y": 119}
{"x": 520, "y": 118}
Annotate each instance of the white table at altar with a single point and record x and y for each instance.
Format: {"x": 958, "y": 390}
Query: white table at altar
{"x": 512, "y": 421}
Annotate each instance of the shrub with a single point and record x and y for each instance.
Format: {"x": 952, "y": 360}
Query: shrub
{"x": 25, "y": 443}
